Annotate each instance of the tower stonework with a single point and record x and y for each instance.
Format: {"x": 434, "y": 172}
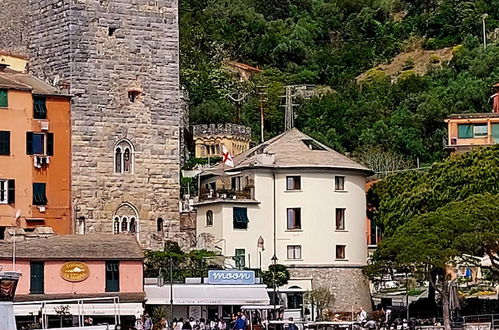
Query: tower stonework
{"x": 120, "y": 61}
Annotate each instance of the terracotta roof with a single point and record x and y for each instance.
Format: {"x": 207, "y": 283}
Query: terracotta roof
{"x": 244, "y": 66}
{"x": 473, "y": 115}
{"x": 292, "y": 149}
{"x": 11, "y": 79}
{"x": 76, "y": 247}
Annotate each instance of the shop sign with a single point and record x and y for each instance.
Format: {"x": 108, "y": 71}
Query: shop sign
{"x": 75, "y": 271}
{"x": 231, "y": 277}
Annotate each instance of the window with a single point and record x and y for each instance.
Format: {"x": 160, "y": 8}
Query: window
{"x": 39, "y": 196}
{"x": 4, "y": 98}
{"x": 468, "y": 131}
{"x": 4, "y": 143}
{"x": 133, "y": 95}
{"x": 480, "y": 130}
{"x": 40, "y": 143}
{"x": 111, "y": 30}
{"x": 112, "y": 276}
{"x": 159, "y": 225}
{"x": 240, "y": 257}
{"x": 240, "y": 218}
{"x": 7, "y": 191}
{"x": 340, "y": 251}
{"x": 36, "y": 284}
{"x": 124, "y": 224}
{"x": 39, "y": 108}
{"x": 313, "y": 145}
{"x": 209, "y": 218}
{"x": 339, "y": 183}
{"x": 294, "y": 252}
{"x": 123, "y": 157}
{"x": 340, "y": 219}
{"x": 235, "y": 183}
{"x": 133, "y": 225}
{"x": 293, "y": 183}
{"x": 294, "y": 218}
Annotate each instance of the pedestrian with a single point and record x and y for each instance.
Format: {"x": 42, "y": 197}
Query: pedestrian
{"x": 291, "y": 324}
{"x": 163, "y": 324}
{"x": 202, "y": 324}
{"x": 239, "y": 324}
{"x": 139, "y": 324}
{"x": 187, "y": 325}
{"x": 180, "y": 324}
{"x": 147, "y": 322}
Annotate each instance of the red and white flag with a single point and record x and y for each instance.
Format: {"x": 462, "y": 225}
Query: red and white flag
{"x": 227, "y": 157}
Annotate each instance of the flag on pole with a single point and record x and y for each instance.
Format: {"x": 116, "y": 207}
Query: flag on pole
{"x": 227, "y": 157}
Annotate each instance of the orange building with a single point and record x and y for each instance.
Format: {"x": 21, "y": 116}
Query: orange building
{"x": 35, "y": 154}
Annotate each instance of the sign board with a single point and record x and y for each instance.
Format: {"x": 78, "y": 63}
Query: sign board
{"x": 74, "y": 271}
{"x": 195, "y": 312}
{"x": 231, "y": 277}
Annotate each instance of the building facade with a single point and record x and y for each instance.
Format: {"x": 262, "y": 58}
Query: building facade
{"x": 120, "y": 61}
{"x": 208, "y": 139}
{"x": 35, "y": 154}
{"x": 75, "y": 269}
{"x": 294, "y": 198}
{"x": 471, "y": 130}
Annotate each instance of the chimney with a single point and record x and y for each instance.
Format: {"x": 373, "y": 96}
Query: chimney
{"x": 495, "y": 98}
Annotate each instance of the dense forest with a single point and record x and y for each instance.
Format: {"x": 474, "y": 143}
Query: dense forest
{"x": 329, "y": 43}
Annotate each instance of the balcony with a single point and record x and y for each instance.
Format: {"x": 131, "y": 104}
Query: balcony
{"x": 245, "y": 195}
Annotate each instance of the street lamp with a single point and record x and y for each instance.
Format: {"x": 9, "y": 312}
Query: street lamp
{"x": 274, "y": 263}
{"x": 161, "y": 282}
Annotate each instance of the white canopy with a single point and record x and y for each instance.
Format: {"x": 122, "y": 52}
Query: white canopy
{"x": 206, "y": 294}
{"x": 82, "y": 309}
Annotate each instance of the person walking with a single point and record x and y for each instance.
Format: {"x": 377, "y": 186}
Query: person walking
{"x": 240, "y": 323}
{"x": 147, "y": 322}
{"x": 179, "y": 324}
{"x": 187, "y": 325}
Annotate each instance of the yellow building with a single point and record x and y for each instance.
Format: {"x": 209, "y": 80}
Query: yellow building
{"x": 208, "y": 139}
{"x": 466, "y": 131}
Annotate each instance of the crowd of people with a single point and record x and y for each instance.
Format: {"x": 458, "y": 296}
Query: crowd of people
{"x": 237, "y": 322}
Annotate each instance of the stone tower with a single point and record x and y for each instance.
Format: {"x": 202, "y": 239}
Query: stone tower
{"x": 120, "y": 61}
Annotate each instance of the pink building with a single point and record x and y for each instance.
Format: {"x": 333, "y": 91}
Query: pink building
{"x": 106, "y": 268}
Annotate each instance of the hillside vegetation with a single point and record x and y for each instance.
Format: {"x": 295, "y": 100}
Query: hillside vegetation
{"x": 330, "y": 43}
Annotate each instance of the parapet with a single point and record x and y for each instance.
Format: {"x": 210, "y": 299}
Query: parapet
{"x": 227, "y": 129}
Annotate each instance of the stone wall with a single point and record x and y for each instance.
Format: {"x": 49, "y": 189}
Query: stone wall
{"x": 14, "y": 18}
{"x": 232, "y": 130}
{"x": 105, "y": 51}
{"x": 349, "y": 286}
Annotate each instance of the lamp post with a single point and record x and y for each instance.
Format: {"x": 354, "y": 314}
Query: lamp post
{"x": 274, "y": 286}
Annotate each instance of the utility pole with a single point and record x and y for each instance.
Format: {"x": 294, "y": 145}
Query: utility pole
{"x": 262, "y": 100}
{"x": 484, "y": 16}
{"x": 291, "y": 92}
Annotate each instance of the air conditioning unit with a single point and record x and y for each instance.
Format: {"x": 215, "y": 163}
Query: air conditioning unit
{"x": 44, "y": 125}
{"x": 453, "y": 141}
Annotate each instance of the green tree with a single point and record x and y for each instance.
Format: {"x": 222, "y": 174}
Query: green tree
{"x": 430, "y": 242}
{"x": 279, "y": 273}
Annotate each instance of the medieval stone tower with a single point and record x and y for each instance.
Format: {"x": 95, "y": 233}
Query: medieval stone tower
{"x": 120, "y": 61}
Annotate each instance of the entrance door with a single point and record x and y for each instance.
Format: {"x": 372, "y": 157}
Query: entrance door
{"x": 36, "y": 277}
{"x": 112, "y": 276}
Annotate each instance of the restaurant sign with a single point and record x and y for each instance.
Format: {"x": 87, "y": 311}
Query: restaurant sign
{"x": 75, "y": 271}
{"x": 231, "y": 277}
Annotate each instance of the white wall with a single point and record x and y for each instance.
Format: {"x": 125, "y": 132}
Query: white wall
{"x": 318, "y": 236}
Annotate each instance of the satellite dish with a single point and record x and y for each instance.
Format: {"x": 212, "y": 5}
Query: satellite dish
{"x": 18, "y": 213}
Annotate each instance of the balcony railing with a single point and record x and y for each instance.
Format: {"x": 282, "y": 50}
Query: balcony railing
{"x": 247, "y": 193}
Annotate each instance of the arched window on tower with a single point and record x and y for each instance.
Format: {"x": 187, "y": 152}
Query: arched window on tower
{"x": 124, "y": 224}
{"x": 159, "y": 225}
{"x": 133, "y": 228}
{"x": 123, "y": 157}
{"x": 126, "y": 219}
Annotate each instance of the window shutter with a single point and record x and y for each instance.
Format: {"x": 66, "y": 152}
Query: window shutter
{"x": 50, "y": 144}
{"x": 4, "y": 101}
{"x": 29, "y": 143}
{"x": 4, "y": 143}
{"x": 11, "y": 195}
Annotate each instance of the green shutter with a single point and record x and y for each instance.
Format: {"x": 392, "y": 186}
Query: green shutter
{"x": 11, "y": 191}
{"x": 40, "y": 109}
{"x": 240, "y": 218}
{"x": 39, "y": 196}
{"x": 36, "y": 277}
{"x": 465, "y": 131}
{"x": 4, "y": 98}
{"x": 112, "y": 276}
{"x": 29, "y": 143}
{"x": 240, "y": 257}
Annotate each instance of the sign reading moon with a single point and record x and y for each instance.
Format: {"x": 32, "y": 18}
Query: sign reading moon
{"x": 74, "y": 271}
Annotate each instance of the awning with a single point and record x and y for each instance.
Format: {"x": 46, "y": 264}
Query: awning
{"x": 206, "y": 294}
{"x": 107, "y": 309}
